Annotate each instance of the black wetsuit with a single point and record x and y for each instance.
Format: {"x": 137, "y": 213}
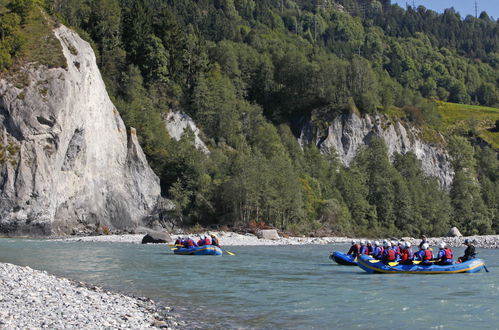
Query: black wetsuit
{"x": 469, "y": 253}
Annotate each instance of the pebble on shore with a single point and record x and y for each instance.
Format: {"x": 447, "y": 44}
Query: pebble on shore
{"x": 32, "y": 299}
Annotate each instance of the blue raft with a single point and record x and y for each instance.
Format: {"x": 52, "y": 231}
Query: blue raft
{"x": 375, "y": 266}
{"x": 205, "y": 250}
{"x": 343, "y": 259}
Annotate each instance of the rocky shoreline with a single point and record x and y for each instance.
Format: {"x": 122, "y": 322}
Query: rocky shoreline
{"x": 235, "y": 239}
{"x": 32, "y": 299}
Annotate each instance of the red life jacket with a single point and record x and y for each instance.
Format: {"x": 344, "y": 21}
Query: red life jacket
{"x": 190, "y": 243}
{"x": 201, "y": 242}
{"x": 428, "y": 255}
{"x": 207, "y": 241}
{"x": 391, "y": 255}
{"x": 448, "y": 254}
{"x": 382, "y": 249}
{"x": 405, "y": 255}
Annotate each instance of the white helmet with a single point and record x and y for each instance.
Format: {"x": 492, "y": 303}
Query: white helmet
{"x": 385, "y": 241}
{"x": 376, "y": 243}
{"x": 353, "y": 242}
{"x": 407, "y": 244}
{"x": 388, "y": 244}
{"x": 441, "y": 245}
{"x": 394, "y": 243}
{"x": 369, "y": 242}
{"x": 425, "y": 246}
{"x": 362, "y": 242}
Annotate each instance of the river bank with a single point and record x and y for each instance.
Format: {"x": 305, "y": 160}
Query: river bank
{"x": 235, "y": 239}
{"x": 32, "y": 299}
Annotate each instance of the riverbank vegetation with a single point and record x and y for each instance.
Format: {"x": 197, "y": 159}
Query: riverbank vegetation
{"x": 248, "y": 72}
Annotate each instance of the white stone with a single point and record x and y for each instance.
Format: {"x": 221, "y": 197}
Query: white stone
{"x": 268, "y": 234}
{"x": 454, "y": 232}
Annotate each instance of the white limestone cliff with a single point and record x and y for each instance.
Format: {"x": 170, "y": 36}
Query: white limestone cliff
{"x": 68, "y": 160}
{"x": 346, "y": 133}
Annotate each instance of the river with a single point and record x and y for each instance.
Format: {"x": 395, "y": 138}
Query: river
{"x": 287, "y": 287}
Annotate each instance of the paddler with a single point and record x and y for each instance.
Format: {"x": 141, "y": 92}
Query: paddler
{"x": 363, "y": 248}
{"x": 214, "y": 240}
{"x": 425, "y": 254}
{"x": 378, "y": 251}
{"x": 469, "y": 253}
{"x": 423, "y": 240}
{"x": 354, "y": 249}
{"x": 407, "y": 256}
{"x": 189, "y": 243}
{"x": 389, "y": 254}
{"x": 370, "y": 248}
{"x": 444, "y": 256}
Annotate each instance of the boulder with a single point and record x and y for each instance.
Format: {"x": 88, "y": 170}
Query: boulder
{"x": 156, "y": 237}
{"x": 454, "y": 232}
{"x": 268, "y": 234}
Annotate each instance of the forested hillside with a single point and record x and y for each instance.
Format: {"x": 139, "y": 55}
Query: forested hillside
{"x": 247, "y": 71}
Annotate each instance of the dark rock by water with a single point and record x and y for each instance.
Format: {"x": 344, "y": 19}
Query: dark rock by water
{"x": 156, "y": 237}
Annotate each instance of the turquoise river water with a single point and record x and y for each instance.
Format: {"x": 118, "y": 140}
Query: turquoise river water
{"x": 287, "y": 287}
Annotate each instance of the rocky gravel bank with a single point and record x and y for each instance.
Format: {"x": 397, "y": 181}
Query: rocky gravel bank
{"x": 31, "y": 299}
{"x": 233, "y": 239}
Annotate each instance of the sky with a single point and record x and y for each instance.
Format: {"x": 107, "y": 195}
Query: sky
{"x": 464, "y": 7}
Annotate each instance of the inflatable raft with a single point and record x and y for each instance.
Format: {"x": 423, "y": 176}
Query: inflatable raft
{"x": 375, "y": 266}
{"x": 205, "y": 250}
{"x": 343, "y": 259}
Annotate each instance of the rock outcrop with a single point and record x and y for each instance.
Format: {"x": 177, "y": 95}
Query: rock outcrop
{"x": 177, "y": 123}
{"x": 348, "y": 132}
{"x": 68, "y": 161}
{"x": 454, "y": 232}
{"x": 268, "y": 234}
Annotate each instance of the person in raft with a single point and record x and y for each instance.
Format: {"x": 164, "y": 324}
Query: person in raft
{"x": 444, "y": 256}
{"x": 204, "y": 241}
{"x": 178, "y": 241}
{"x": 363, "y": 248}
{"x": 370, "y": 248}
{"x": 389, "y": 254}
{"x": 354, "y": 249}
{"x": 189, "y": 243}
{"x": 423, "y": 240}
{"x": 407, "y": 256}
{"x": 469, "y": 253}
{"x": 425, "y": 254}
{"x": 378, "y": 251}
{"x": 214, "y": 240}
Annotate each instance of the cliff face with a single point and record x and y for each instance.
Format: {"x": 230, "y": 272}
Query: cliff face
{"x": 67, "y": 160}
{"x": 177, "y": 122}
{"x": 348, "y": 132}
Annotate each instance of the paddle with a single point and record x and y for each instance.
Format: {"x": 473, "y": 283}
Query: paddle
{"x": 230, "y": 253}
{"x": 486, "y": 270}
{"x": 175, "y": 245}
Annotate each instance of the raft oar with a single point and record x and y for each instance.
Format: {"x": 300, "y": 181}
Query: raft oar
{"x": 486, "y": 270}
{"x": 175, "y": 245}
{"x": 230, "y": 253}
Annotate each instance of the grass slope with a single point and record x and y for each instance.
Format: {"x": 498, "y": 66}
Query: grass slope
{"x": 462, "y": 118}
